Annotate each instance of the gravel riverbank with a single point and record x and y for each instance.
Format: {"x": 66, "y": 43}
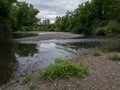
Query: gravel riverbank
{"x": 104, "y": 75}
{"x": 57, "y": 35}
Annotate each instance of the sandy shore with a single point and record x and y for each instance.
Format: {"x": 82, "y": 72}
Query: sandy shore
{"x": 57, "y": 35}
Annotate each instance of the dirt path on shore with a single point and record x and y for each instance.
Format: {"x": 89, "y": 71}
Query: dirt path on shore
{"x": 104, "y": 75}
{"x": 57, "y": 35}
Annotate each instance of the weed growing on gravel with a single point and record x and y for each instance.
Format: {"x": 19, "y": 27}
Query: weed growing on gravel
{"x": 37, "y": 75}
{"x": 114, "y": 56}
{"x": 97, "y": 52}
{"x": 26, "y": 79}
{"x": 32, "y": 86}
{"x": 64, "y": 69}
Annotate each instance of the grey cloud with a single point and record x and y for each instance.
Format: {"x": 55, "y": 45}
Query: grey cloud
{"x": 49, "y": 9}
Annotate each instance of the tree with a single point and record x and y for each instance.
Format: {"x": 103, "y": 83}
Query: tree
{"x": 24, "y": 16}
{"x": 5, "y": 26}
{"x": 90, "y": 16}
{"x": 5, "y": 7}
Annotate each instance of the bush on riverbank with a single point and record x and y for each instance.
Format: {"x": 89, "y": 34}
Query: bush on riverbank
{"x": 64, "y": 69}
{"x": 97, "y": 52}
{"x": 112, "y": 28}
{"x": 114, "y": 56}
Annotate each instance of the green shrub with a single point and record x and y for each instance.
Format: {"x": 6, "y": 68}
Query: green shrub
{"x": 26, "y": 79}
{"x": 112, "y": 28}
{"x": 107, "y": 28}
{"x": 32, "y": 86}
{"x": 100, "y": 31}
{"x": 114, "y": 56}
{"x": 97, "y": 52}
{"x": 64, "y": 69}
{"x": 37, "y": 75}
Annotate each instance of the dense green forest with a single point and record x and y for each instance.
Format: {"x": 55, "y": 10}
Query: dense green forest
{"x": 95, "y": 17}
{"x": 17, "y": 16}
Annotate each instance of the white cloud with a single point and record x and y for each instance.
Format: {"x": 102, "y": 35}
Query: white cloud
{"x": 49, "y": 9}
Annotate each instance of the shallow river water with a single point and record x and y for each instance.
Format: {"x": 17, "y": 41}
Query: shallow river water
{"x": 20, "y": 58}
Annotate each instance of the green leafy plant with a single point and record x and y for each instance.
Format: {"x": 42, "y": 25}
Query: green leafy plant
{"x": 37, "y": 75}
{"x": 32, "y": 86}
{"x": 64, "y": 69}
{"x": 97, "y": 52}
{"x": 114, "y": 56}
{"x": 26, "y": 79}
{"x": 113, "y": 28}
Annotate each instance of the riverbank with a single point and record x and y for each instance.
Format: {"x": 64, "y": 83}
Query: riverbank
{"x": 49, "y": 36}
{"x": 104, "y": 75}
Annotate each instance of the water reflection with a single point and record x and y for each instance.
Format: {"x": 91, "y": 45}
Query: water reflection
{"x": 80, "y": 45}
{"x": 7, "y": 61}
{"x": 5, "y": 36}
{"x": 24, "y": 50}
{"x": 107, "y": 44}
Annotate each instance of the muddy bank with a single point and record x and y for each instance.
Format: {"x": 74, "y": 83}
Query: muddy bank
{"x": 48, "y": 36}
{"x": 104, "y": 75}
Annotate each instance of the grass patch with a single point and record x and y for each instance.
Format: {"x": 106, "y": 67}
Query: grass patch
{"x": 37, "y": 75}
{"x": 64, "y": 69}
{"x": 32, "y": 86}
{"x": 97, "y": 52}
{"x": 114, "y": 56}
{"x": 26, "y": 79}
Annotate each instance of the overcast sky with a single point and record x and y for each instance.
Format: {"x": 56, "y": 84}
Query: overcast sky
{"x": 49, "y": 9}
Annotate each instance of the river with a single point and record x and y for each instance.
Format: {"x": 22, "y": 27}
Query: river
{"x": 18, "y": 58}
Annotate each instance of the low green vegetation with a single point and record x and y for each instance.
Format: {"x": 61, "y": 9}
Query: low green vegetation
{"x": 97, "y": 52}
{"x": 37, "y": 75}
{"x": 26, "y": 79}
{"x": 64, "y": 69}
{"x": 32, "y": 86}
{"x": 114, "y": 56}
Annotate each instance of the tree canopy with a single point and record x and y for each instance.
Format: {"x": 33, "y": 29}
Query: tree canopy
{"x": 17, "y": 15}
{"x": 24, "y": 16}
{"x": 100, "y": 17}
{"x": 95, "y": 17}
